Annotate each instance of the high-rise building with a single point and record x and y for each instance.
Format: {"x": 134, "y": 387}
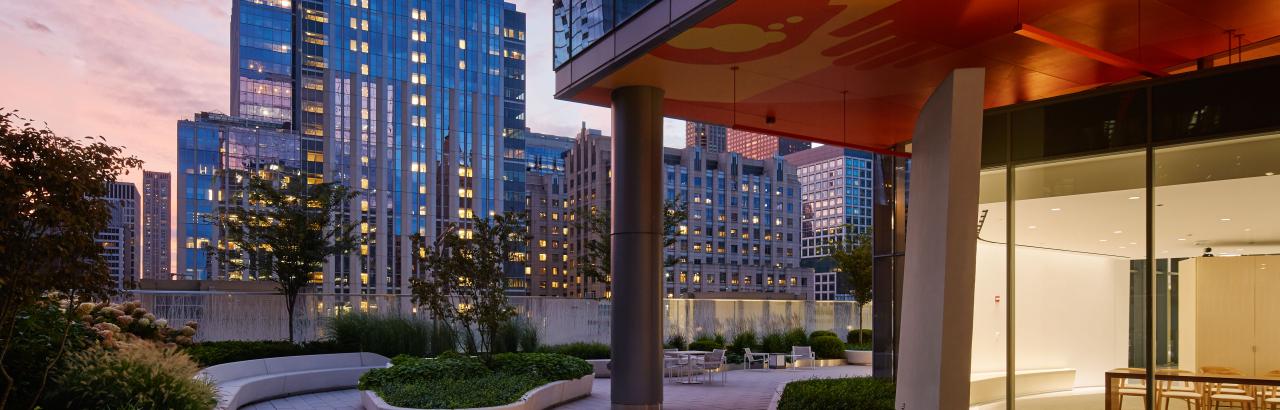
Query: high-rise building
{"x": 119, "y": 240}
{"x": 547, "y": 259}
{"x": 835, "y": 194}
{"x": 403, "y": 101}
{"x": 740, "y": 240}
{"x": 513, "y": 110}
{"x": 155, "y": 224}
{"x": 755, "y": 145}
{"x": 710, "y": 137}
{"x": 545, "y": 153}
{"x": 214, "y": 153}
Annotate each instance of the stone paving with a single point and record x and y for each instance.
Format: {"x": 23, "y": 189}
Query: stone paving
{"x": 745, "y": 390}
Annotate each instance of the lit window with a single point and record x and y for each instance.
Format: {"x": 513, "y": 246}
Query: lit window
{"x": 462, "y": 44}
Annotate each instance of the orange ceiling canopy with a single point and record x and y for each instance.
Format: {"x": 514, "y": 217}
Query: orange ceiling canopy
{"x": 856, "y": 72}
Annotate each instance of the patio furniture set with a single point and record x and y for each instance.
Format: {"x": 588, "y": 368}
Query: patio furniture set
{"x": 692, "y": 363}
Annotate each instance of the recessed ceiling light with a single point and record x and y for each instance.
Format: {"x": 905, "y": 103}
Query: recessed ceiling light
{"x": 1225, "y": 219}
{"x": 1117, "y": 232}
{"x": 1102, "y": 240}
{"x": 1133, "y": 243}
{"x": 1248, "y": 229}
{"x": 1135, "y": 197}
{"x": 1031, "y": 227}
{"x": 1122, "y": 247}
{"x": 1182, "y": 239}
{"x": 1055, "y": 209}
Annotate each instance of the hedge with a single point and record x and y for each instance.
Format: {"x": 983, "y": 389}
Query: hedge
{"x": 581, "y": 350}
{"x": 852, "y": 393}
{"x": 817, "y": 333}
{"x": 549, "y": 366}
{"x": 828, "y": 347}
{"x": 213, "y": 353}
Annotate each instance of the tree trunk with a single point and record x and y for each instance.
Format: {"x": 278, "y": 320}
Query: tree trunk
{"x": 859, "y": 323}
{"x": 290, "y": 299}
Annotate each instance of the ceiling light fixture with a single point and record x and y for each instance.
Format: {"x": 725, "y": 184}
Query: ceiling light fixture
{"x": 1135, "y": 197}
{"x": 1031, "y": 227}
{"x": 1182, "y": 239}
{"x": 1117, "y": 232}
{"x": 1055, "y": 209}
{"x": 1102, "y": 240}
{"x": 1225, "y": 219}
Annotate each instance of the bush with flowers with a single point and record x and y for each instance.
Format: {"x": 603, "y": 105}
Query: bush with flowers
{"x": 125, "y": 322}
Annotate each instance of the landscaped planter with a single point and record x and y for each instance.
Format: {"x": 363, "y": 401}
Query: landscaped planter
{"x": 547, "y": 396}
{"x": 857, "y": 356}
{"x": 601, "y": 367}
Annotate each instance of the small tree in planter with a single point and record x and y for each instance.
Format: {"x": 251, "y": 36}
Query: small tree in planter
{"x": 594, "y": 262}
{"x": 283, "y": 230}
{"x": 459, "y": 277}
{"x": 852, "y": 256}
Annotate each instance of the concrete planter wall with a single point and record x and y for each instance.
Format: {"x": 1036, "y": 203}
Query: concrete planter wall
{"x": 547, "y": 396}
{"x": 601, "y": 367}
{"x": 857, "y": 356}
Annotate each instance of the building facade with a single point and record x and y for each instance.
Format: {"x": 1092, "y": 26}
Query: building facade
{"x": 404, "y": 102}
{"x": 835, "y": 186}
{"x": 119, "y": 240}
{"x": 709, "y": 137}
{"x": 742, "y": 234}
{"x": 214, "y": 152}
{"x": 156, "y": 188}
{"x": 513, "y": 109}
{"x": 547, "y": 267}
{"x": 545, "y": 153}
{"x": 755, "y": 145}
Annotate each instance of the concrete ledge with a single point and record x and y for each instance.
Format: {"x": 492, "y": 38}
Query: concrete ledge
{"x": 241, "y": 383}
{"x": 990, "y": 387}
{"x": 547, "y": 396}
{"x": 601, "y": 368}
{"x": 857, "y": 356}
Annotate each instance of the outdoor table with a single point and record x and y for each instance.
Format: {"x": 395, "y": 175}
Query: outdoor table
{"x": 689, "y": 354}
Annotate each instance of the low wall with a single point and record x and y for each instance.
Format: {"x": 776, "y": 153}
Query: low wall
{"x": 261, "y": 316}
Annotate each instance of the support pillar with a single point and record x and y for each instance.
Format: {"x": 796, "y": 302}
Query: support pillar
{"x": 636, "y": 254}
{"x": 937, "y": 294}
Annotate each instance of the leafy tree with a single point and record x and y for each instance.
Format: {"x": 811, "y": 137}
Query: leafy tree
{"x": 460, "y": 278}
{"x": 284, "y": 231}
{"x": 851, "y": 253}
{"x": 51, "y": 208}
{"x": 593, "y": 262}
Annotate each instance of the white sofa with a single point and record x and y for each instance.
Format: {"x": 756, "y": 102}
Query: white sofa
{"x": 241, "y": 383}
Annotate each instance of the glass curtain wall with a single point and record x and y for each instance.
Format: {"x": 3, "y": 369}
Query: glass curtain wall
{"x": 1142, "y": 228}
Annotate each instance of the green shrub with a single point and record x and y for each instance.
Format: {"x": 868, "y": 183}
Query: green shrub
{"x": 733, "y": 358}
{"x": 529, "y": 338}
{"x": 744, "y": 340}
{"x": 853, "y": 393}
{"x": 705, "y": 345}
{"x": 410, "y": 370}
{"x": 817, "y": 333}
{"x": 676, "y": 342}
{"x": 548, "y": 366}
{"x": 134, "y": 375}
{"x": 774, "y": 343}
{"x": 796, "y": 337}
{"x": 827, "y": 347}
{"x": 485, "y": 391}
{"x": 859, "y": 346}
{"x": 213, "y": 353}
{"x": 852, "y": 337}
{"x": 386, "y": 335}
{"x": 581, "y": 350}
{"x": 37, "y": 332}
{"x": 515, "y": 334}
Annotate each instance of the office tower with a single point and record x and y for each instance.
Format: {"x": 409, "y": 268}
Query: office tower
{"x": 513, "y": 111}
{"x": 709, "y": 137}
{"x": 835, "y": 192}
{"x": 545, "y": 153}
{"x": 546, "y": 256}
{"x": 403, "y": 101}
{"x": 120, "y": 238}
{"x": 215, "y": 152}
{"x": 755, "y": 145}
{"x": 740, "y": 240}
{"x": 155, "y": 224}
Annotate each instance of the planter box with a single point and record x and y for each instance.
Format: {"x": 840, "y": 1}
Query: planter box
{"x": 545, "y": 397}
{"x": 857, "y": 356}
{"x": 602, "y": 368}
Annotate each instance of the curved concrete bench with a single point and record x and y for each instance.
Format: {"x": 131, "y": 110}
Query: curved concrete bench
{"x": 547, "y": 396}
{"x": 241, "y": 383}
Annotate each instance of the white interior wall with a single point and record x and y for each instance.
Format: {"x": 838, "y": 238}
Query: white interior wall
{"x": 1072, "y": 312}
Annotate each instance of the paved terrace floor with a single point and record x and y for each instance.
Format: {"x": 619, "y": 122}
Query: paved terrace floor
{"x": 746, "y": 390}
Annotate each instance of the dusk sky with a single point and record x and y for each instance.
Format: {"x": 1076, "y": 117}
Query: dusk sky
{"x": 130, "y": 69}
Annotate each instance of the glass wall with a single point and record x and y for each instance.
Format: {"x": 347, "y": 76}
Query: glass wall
{"x": 1137, "y": 240}
{"x": 578, "y": 24}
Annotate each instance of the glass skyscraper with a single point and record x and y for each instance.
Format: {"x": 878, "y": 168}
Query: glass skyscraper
{"x": 402, "y": 100}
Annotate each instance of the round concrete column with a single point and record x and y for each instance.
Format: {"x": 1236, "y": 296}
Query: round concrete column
{"x": 636, "y": 253}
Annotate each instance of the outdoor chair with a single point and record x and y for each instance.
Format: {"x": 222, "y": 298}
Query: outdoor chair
{"x": 750, "y": 358}
{"x": 799, "y": 353}
{"x": 675, "y": 365}
{"x": 713, "y": 362}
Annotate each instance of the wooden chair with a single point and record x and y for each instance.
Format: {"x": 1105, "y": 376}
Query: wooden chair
{"x": 1270, "y": 395}
{"x": 1134, "y": 388}
{"x": 1230, "y": 394}
{"x": 1191, "y": 393}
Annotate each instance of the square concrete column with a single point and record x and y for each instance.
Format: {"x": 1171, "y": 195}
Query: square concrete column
{"x": 942, "y": 233}
{"x": 636, "y": 252}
